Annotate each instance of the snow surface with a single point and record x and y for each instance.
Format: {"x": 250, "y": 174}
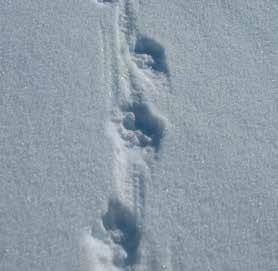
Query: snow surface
{"x": 138, "y": 135}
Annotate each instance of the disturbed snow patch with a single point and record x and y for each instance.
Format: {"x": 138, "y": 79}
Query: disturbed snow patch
{"x": 122, "y": 226}
{"x": 118, "y": 249}
{"x": 148, "y": 126}
{"x": 106, "y": 1}
{"x": 151, "y": 54}
{"x": 136, "y": 129}
{"x": 96, "y": 255}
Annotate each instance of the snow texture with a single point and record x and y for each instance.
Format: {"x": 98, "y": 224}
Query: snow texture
{"x": 138, "y": 135}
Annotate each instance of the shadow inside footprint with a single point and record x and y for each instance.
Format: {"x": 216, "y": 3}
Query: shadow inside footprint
{"x": 147, "y": 123}
{"x": 106, "y": 1}
{"x": 120, "y": 219}
{"x": 152, "y": 48}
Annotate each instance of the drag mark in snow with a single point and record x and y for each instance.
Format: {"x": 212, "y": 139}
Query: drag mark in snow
{"x": 137, "y": 127}
{"x": 139, "y": 68}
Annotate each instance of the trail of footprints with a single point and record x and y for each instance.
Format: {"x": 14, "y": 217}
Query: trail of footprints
{"x": 137, "y": 130}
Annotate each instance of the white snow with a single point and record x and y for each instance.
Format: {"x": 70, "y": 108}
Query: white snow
{"x": 138, "y": 135}
{"x": 95, "y": 255}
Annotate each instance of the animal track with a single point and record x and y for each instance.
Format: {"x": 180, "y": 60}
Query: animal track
{"x": 153, "y": 54}
{"x": 107, "y": 1}
{"x": 149, "y": 127}
{"x": 121, "y": 223}
{"x": 136, "y": 129}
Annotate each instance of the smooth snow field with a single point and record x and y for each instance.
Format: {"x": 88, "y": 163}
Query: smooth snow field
{"x": 139, "y": 135}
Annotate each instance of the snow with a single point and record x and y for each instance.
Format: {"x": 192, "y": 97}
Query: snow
{"x": 138, "y": 135}
{"x": 95, "y": 254}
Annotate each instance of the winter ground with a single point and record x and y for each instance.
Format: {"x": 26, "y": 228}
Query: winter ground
{"x": 138, "y": 135}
